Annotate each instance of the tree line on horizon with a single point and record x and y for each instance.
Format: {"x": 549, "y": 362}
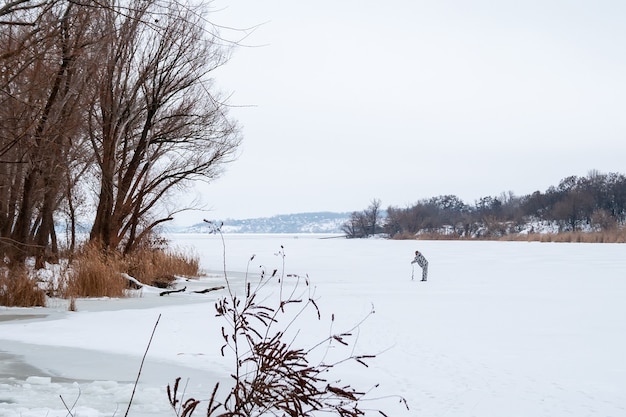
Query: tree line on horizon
{"x": 596, "y": 202}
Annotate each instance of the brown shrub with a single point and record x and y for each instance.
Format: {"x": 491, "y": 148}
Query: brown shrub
{"x": 614, "y": 235}
{"x": 95, "y": 274}
{"x": 17, "y": 289}
{"x": 607, "y": 236}
{"x": 404, "y": 235}
{"x": 159, "y": 267}
{"x": 426, "y": 236}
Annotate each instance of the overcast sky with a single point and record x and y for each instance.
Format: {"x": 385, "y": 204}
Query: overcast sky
{"x": 347, "y": 101}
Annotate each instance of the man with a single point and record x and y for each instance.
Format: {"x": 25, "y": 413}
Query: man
{"x": 422, "y": 262}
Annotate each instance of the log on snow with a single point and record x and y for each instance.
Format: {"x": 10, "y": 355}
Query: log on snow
{"x": 162, "y": 293}
{"x": 206, "y": 290}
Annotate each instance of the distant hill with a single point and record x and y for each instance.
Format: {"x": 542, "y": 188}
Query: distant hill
{"x": 319, "y": 222}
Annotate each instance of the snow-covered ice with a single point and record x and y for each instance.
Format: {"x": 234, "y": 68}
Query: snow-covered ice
{"x": 500, "y": 329}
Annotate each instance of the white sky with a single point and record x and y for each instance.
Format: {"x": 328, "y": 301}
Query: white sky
{"x": 402, "y": 100}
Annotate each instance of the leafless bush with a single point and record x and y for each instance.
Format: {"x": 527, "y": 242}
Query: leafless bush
{"x": 272, "y": 376}
{"x": 17, "y": 289}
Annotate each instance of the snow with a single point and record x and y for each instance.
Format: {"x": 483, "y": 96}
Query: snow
{"x": 500, "y": 328}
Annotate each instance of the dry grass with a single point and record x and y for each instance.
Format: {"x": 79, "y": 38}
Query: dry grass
{"x": 610, "y": 236}
{"x": 404, "y": 235}
{"x": 428, "y": 236}
{"x": 98, "y": 274}
{"x": 439, "y": 236}
{"x": 617, "y": 235}
{"x": 95, "y": 274}
{"x": 17, "y": 289}
{"x": 158, "y": 267}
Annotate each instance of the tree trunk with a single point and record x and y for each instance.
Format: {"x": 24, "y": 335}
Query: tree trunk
{"x": 101, "y": 230}
{"x": 21, "y": 231}
{"x": 45, "y": 232}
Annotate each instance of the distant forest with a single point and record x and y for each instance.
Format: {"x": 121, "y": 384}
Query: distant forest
{"x": 595, "y": 203}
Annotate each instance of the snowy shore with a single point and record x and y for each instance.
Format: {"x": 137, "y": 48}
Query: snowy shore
{"x": 500, "y": 328}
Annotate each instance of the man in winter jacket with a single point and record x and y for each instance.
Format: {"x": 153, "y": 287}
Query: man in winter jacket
{"x": 422, "y": 262}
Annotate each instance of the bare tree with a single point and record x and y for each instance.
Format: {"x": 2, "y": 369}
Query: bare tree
{"x": 154, "y": 122}
{"x": 113, "y": 91}
{"x": 373, "y": 217}
{"x": 41, "y": 93}
{"x": 21, "y": 12}
{"x": 354, "y": 227}
{"x": 364, "y": 223}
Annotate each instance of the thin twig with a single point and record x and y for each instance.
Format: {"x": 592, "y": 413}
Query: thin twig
{"x": 69, "y": 410}
{"x": 130, "y": 402}
{"x": 183, "y": 395}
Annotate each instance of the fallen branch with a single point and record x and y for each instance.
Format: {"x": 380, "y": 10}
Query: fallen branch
{"x": 172, "y": 291}
{"x": 133, "y": 280}
{"x": 206, "y": 290}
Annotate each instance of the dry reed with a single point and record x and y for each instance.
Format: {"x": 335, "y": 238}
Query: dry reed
{"x": 95, "y": 274}
{"x": 17, "y": 289}
{"x": 610, "y": 236}
{"x": 606, "y": 236}
{"x": 159, "y": 267}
